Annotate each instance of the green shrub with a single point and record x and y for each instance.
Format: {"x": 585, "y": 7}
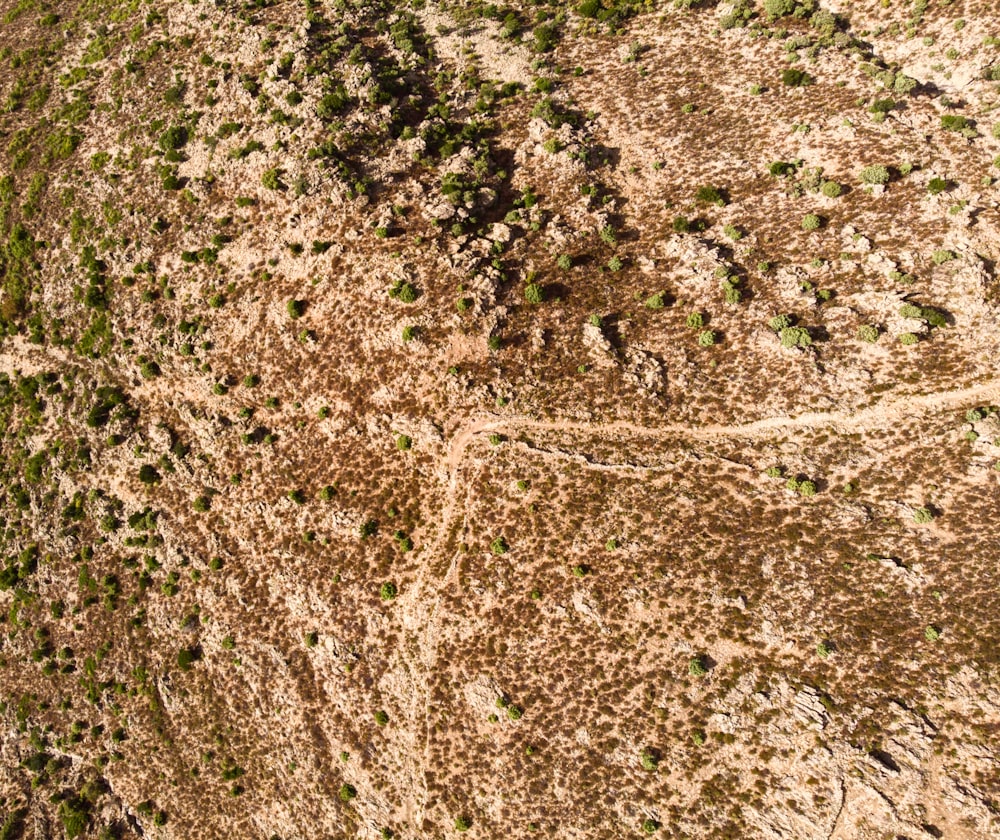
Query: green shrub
{"x": 908, "y": 339}
{"x": 388, "y": 591}
{"x": 311, "y": 639}
{"x": 655, "y": 301}
{"x": 936, "y": 186}
{"x": 706, "y": 338}
{"x": 869, "y": 333}
{"x": 954, "y": 122}
{"x": 793, "y": 77}
{"x": 296, "y": 309}
{"x": 148, "y": 474}
{"x": 462, "y": 823}
{"x": 795, "y": 337}
{"x": 778, "y": 8}
{"x": 173, "y": 138}
{"x": 811, "y": 222}
{"x": 942, "y": 256}
{"x": 271, "y": 179}
{"x": 650, "y": 826}
{"x": 499, "y": 546}
{"x": 932, "y": 633}
{"x": 347, "y": 792}
{"x": 875, "y": 174}
{"x": 694, "y": 321}
{"x": 403, "y": 292}
{"x": 696, "y": 666}
{"x": 649, "y": 759}
{"x": 780, "y": 168}
{"x": 533, "y": 293}
{"x": 710, "y": 195}
{"x": 403, "y": 442}
{"x": 922, "y": 515}
{"x": 74, "y": 816}
{"x": 381, "y": 717}
{"x": 831, "y": 189}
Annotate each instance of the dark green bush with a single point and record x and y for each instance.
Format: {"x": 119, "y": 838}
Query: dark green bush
{"x": 792, "y": 77}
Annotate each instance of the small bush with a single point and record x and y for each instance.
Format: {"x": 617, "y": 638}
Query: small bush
{"x": 271, "y": 179}
{"x": 779, "y": 322}
{"x": 499, "y": 546}
{"x": 695, "y": 321}
{"x": 462, "y": 823}
{"x": 710, "y": 195}
{"x": 923, "y": 515}
{"x": 533, "y": 293}
{"x": 795, "y": 337}
{"x": 381, "y": 717}
{"x": 869, "y": 333}
{"x": 148, "y": 474}
{"x": 875, "y": 174}
{"x": 655, "y": 301}
{"x": 403, "y": 292}
{"x": 649, "y": 759}
{"x": 932, "y": 633}
{"x": 696, "y": 667}
{"x": 936, "y": 186}
{"x": 942, "y": 256}
{"x": 650, "y": 826}
{"x": 908, "y": 339}
{"x": 793, "y": 77}
{"x": 778, "y": 8}
{"x": 388, "y": 591}
{"x": 296, "y": 309}
{"x": 831, "y": 189}
{"x": 706, "y": 338}
{"x": 347, "y": 792}
{"x": 403, "y": 442}
{"x": 954, "y": 122}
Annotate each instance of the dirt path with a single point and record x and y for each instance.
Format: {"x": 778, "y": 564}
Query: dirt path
{"x": 883, "y": 413}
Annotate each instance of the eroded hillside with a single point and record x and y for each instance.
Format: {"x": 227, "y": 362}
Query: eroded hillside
{"x": 570, "y": 419}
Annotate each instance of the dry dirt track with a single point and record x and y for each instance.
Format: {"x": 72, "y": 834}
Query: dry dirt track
{"x": 882, "y": 413}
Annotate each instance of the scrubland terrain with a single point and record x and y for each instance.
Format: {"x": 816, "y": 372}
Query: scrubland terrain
{"x": 512, "y": 420}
